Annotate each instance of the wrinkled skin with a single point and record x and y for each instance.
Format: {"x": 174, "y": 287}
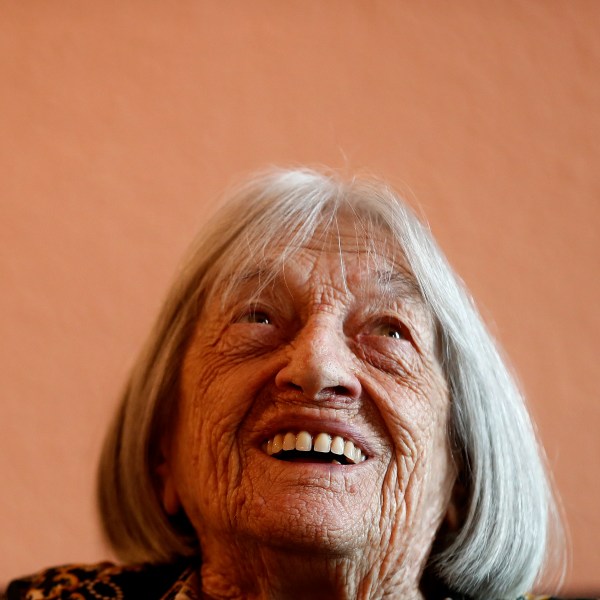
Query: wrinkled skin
{"x": 330, "y": 346}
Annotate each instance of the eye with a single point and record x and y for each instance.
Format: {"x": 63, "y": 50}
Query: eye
{"x": 390, "y": 330}
{"x": 255, "y": 316}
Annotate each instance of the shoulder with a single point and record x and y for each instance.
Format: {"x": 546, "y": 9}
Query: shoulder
{"x": 534, "y": 597}
{"x": 525, "y": 597}
{"x": 102, "y": 580}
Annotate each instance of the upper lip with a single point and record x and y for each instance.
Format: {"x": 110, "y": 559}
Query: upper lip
{"x": 315, "y": 425}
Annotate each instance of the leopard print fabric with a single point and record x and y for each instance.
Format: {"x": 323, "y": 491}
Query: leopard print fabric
{"x": 106, "y": 581}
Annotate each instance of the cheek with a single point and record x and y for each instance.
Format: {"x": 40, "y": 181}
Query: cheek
{"x": 204, "y": 441}
{"x": 415, "y": 413}
{"x": 208, "y": 457}
{"x": 414, "y": 409}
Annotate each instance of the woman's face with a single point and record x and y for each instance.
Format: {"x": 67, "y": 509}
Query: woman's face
{"x": 340, "y": 347}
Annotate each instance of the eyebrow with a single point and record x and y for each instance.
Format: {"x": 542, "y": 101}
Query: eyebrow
{"x": 258, "y": 278}
{"x": 398, "y": 284}
{"x": 392, "y": 283}
{"x": 263, "y": 275}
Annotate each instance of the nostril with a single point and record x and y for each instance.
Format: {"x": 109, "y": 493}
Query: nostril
{"x": 338, "y": 390}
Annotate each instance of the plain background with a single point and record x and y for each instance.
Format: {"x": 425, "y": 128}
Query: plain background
{"x": 120, "y": 121}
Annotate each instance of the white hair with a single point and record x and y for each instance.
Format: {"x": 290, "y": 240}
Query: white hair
{"x": 504, "y": 540}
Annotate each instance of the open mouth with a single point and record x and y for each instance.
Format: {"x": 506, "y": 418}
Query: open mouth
{"x": 320, "y": 448}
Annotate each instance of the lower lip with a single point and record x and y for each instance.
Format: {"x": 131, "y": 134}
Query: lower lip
{"x": 316, "y": 465}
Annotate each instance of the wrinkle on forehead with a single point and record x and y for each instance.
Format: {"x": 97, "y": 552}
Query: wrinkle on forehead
{"x": 259, "y": 261}
{"x": 385, "y": 277}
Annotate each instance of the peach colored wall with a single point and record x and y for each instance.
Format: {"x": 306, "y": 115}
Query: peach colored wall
{"x": 120, "y": 121}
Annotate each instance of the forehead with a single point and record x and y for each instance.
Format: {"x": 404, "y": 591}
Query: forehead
{"x": 345, "y": 253}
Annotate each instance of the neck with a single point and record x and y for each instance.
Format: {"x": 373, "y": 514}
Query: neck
{"x": 276, "y": 574}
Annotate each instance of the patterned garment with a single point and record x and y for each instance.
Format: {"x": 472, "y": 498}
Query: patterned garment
{"x": 106, "y": 581}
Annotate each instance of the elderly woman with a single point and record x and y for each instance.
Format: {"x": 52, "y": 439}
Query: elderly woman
{"x": 319, "y": 412}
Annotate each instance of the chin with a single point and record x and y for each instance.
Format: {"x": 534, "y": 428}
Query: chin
{"x": 300, "y": 524}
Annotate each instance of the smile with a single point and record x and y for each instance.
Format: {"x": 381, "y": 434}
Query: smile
{"x": 322, "y": 448}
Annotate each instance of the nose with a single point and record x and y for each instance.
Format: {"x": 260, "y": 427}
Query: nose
{"x": 319, "y": 364}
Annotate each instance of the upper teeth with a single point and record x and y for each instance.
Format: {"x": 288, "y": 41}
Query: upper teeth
{"x": 322, "y": 442}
